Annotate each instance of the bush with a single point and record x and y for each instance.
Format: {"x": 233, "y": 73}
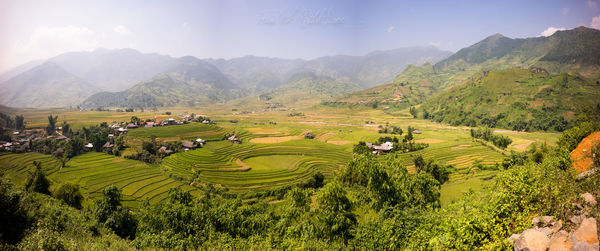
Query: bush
{"x": 37, "y": 181}
{"x": 69, "y": 193}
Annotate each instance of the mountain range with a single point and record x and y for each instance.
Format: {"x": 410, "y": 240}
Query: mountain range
{"x": 575, "y": 50}
{"x": 129, "y": 78}
{"x": 522, "y": 84}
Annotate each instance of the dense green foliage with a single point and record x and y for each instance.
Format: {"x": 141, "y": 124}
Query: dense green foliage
{"x": 37, "y": 181}
{"x": 108, "y": 210}
{"x": 486, "y": 134}
{"x": 70, "y": 194}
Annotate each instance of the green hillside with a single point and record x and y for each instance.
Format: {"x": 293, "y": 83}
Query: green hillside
{"x": 575, "y": 50}
{"x": 303, "y": 89}
{"x": 190, "y": 82}
{"x": 517, "y": 99}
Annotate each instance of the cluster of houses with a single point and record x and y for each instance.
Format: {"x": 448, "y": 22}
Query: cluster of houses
{"x": 21, "y": 141}
{"x": 383, "y": 148}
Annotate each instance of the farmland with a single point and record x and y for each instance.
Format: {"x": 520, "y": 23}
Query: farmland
{"x": 95, "y": 171}
{"x": 273, "y": 152}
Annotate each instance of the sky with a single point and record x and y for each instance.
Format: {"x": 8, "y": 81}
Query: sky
{"x": 39, "y": 29}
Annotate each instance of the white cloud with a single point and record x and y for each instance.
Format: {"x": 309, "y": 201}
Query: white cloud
{"x": 595, "y": 23}
{"x": 122, "y": 30}
{"x": 436, "y": 44}
{"x": 550, "y": 31}
{"x": 46, "y": 41}
{"x": 390, "y": 29}
{"x": 592, "y": 4}
{"x": 185, "y": 25}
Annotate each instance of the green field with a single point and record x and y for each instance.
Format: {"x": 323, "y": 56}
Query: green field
{"x": 95, "y": 171}
{"x": 273, "y": 152}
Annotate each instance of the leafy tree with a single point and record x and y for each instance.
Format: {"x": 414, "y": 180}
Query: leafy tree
{"x": 426, "y": 114}
{"x": 37, "y": 181}
{"x": 419, "y": 163}
{"x": 66, "y": 129}
{"x": 413, "y": 112}
{"x": 19, "y": 122}
{"x": 176, "y": 195}
{"x": 74, "y": 147}
{"x": 108, "y": 211}
{"x": 361, "y": 148}
{"x": 334, "y": 212}
{"x": 70, "y": 194}
{"x": 51, "y": 127}
{"x": 13, "y": 217}
{"x": 135, "y": 120}
{"x": 61, "y": 156}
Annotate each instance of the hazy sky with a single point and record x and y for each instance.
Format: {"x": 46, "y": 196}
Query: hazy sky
{"x": 290, "y": 29}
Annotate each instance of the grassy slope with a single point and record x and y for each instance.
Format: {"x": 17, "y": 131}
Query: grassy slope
{"x": 574, "y": 50}
{"x": 517, "y": 94}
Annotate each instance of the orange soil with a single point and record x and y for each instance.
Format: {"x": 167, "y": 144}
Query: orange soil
{"x": 582, "y": 156}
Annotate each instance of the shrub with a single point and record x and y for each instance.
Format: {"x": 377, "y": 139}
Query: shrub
{"x": 37, "y": 181}
{"x": 69, "y": 193}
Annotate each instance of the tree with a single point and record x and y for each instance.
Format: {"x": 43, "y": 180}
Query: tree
{"x": 419, "y": 163}
{"x": 75, "y": 147}
{"x": 108, "y": 211}
{"x": 37, "y": 181}
{"x": 413, "y": 112}
{"x": 425, "y": 114}
{"x": 61, "y": 156}
{"x": 334, "y": 212}
{"x": 135, "y": 120}
{"x": 66, "y": 129}
{"x": 70, "y": 194}
{"x": 19, "y": 122}
{"x": 409, "y": 136}
{"x": 12, "y": 215}
{"x": 51, "y": 128}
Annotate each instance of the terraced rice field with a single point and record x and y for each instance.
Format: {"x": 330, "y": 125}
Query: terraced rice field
{"x": 462, "y": 155}
{"x": 95, "y": 171}
{"x": 176, "y": 132}
{"x": 240, "y": 167}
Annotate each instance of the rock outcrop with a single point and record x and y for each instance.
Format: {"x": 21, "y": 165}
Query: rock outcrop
{"x": 548, "y": 234}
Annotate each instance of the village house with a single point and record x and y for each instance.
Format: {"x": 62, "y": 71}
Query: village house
{"x": 132, "y": 126}
{"x": 383, "y": 148}
{"x": 149, "y": 124}
{"x": 200, "y": 141}
{"x": 163, "y": 150}
{"x": 309, "y": 135}
{"x": 88, "y": 146}
{"x": 62, "y": 137}
{"x": 108, "y": 145}
{"x": 169, "y": 121}
{"x": 188, "y": 145}
{"x": 416, "y": 131}
{"x": 234, "y": 139}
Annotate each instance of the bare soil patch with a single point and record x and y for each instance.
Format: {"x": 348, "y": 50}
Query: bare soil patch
{"x": 582, "y": 155}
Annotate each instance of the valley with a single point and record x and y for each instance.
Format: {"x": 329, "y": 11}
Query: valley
{"x": 414, "y": 148}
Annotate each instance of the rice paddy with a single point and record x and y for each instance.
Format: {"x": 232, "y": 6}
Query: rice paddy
{"x": 273, "y": 152}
